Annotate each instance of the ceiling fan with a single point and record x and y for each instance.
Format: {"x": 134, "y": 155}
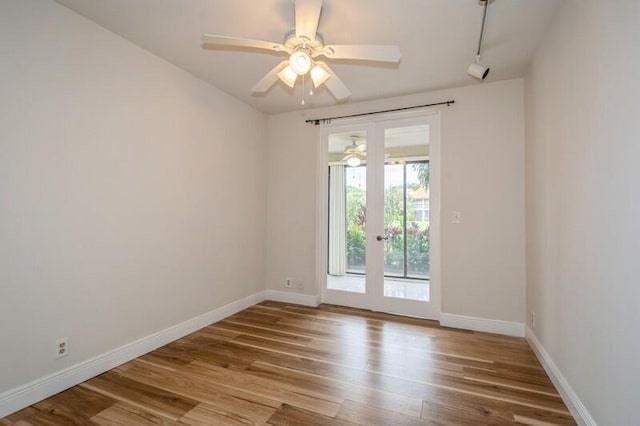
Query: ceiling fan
{"x": 355, "y": 153}
{"x": 305, "y": 45}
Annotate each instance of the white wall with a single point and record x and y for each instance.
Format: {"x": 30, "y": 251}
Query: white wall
{"x": 131, "y": 194}
{"x": 291, "y": 205}
{"x": 483, "y": 273}
{"x": 583, "y": 203}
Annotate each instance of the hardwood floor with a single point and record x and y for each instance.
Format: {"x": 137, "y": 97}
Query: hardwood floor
{"x": 280, "y": 364}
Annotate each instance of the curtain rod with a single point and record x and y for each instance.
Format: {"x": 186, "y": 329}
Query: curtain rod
{"x": 317, "y": 121}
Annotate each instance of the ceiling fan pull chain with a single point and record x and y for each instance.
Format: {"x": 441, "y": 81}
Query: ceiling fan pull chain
{"x": 302, "y": 103}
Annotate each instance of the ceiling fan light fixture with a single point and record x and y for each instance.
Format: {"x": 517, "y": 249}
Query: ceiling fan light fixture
{"x": 300, "y": 62}
{"x": 353, "y": 161}
{"x": 319, "y": 75}
{"x": 288, "y": 76}
{"x": 302, "y": 46}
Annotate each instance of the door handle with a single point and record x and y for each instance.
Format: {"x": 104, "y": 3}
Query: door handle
{"x": 380, "y": 238}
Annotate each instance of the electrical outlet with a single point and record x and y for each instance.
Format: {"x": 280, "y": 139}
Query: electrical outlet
{"x": 288, "y": 282}
{"x": 533, "y": 319}
{"x": 456, "y": 217}
{"x": 62, "y": 347}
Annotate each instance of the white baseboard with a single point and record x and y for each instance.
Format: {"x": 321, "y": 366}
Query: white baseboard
{"x": 39, "y": 389}
{"x": 506, "y": 328}
{"x": 569, "y": 396}
{"x": 289, "y": 297}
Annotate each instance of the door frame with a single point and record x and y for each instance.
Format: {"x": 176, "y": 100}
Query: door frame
{"x": 322, "y": 204}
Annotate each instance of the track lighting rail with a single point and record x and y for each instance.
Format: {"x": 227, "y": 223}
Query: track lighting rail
{"x": 484, "y": 20}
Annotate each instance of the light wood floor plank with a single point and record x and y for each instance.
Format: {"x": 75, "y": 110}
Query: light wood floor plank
{"x": 340, "y": 387}
{"x": 158, "y": 401}
{"x": 122, "y": 414}
{"x": 283, "y": 364}
{"x": 197, "y": 385}
{"x": 364, "y": 414}
{"x": 288, "y": 415}
{"x": 232, "y": 412}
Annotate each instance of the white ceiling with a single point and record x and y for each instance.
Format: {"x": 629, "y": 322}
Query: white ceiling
{"x": 438, "y": 39}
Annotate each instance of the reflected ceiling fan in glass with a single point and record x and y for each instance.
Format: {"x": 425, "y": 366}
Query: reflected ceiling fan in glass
{"x": 355, "y": 153}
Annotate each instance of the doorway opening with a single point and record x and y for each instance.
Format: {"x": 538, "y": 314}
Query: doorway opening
{"x": 379, "y": 227}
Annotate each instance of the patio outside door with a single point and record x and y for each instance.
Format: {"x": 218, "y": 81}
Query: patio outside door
{"x": 381, "y": 227}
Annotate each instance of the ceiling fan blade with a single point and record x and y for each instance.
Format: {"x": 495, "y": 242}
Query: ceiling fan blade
{"x": 346, "y": 157}
{"x": 334, "y": 84}
{"x": 243, "y": 42}
{"x": 269, "y": 80}
{"x": 307, "y": 17}
{"x": 363, "y": 52}
{"x": 361, "y": 147}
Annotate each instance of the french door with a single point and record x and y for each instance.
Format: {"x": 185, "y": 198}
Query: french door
{"x": 379, "y": 231}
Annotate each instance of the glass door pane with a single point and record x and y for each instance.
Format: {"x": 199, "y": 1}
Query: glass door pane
{"x": 406, "y": 212}
{"x": 394, "y": 220}
{"x": 347, "y": 253}
{"x": 356, "y": 208}
{"x": 418, "y": 202}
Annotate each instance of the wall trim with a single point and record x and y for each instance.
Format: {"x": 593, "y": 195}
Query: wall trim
{"x": 289, "y": 297}
{"x": 506, "y": 328}
{"x": 569, "y": 396}
{"x": 23, "y": 396}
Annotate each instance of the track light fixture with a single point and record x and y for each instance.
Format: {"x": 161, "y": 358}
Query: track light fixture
{"x": 476, "y": 69}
